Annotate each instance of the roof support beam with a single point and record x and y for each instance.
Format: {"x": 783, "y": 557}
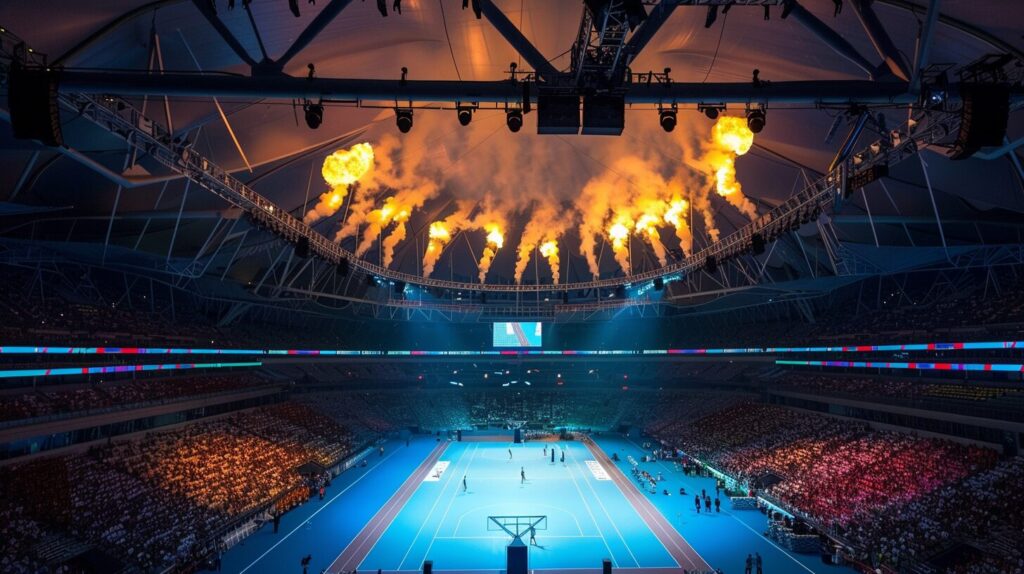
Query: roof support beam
{"x": 829, "y": 36}
{"x": 924, "y": 45}
{"x": 645, "y": 33}
{"x": 825, "y": 92}
{"x": 880, "y": 38}
{"x": 515, "y": 37}
{"x": 322, "y": 20}
{"x": 229, "y": 38}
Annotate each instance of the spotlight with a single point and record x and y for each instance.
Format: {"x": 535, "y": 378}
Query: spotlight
{"x": 465, "y": 114}
{"x": 667, "y": 119}
{"x": 514, "y": 120}
{"x": 756, "y": 119}
{"x": 710, "y": 111}
{"x": 403, "y": 118}
{"x": 314, "y": 114}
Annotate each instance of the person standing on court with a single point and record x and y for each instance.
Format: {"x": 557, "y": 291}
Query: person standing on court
{"x": 718, "y": 504}
{"x": 510, "y": 454}
{"x": 750, "y": 564}
{"x": 707, "y": 503}
{"x": 545, "y": 451}
{"x": 696, "y": 502}
{"x": 757, "y": 560}
{"x": 522, "y": 475}
{"x": 533, "y": 536}
{"x": 563, "y": 456}
{"x": 463, "y": 483}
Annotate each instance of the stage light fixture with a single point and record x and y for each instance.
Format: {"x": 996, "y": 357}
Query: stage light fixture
{"x": 514, "y": 120}
{"x": 710, "y": 111}
{"x": 667, "y": 119}
{"x": 465, "y": 114}
{"x": 756, "y": 119}
{"x": 314, "y": 114}
{"x": 403, "y": 119}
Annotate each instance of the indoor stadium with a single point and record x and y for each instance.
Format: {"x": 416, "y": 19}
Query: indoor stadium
{"x": 511, "y": 286}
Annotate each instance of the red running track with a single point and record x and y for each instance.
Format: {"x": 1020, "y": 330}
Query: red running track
{"x": 356, "y": 551}
{"x": 677, "y": 546}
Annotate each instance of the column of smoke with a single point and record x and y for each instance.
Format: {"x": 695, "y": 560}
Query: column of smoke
{"x": 402, "y": 170}
{"x": 492, "y": 220}
{"x": 340, "y": 170}
{"x": 546, "y": 225}
{"x": 440, "y": 233}
{"x": 632, "y": 197}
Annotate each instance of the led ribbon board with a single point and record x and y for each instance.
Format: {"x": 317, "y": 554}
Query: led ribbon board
{"x": 65, "y": 371}
{"x": 530, "y": 336}
{"x": 990, "y": 367}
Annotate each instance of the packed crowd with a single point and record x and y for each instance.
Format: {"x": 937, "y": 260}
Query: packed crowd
{"x": 892, "y": 387}
{"x": 37, "y": 402}
{"x": 983, "y": 509}
{"x": 896, "y": 496}
{"x": 158, "y": 500}
{"x": 462, "y": 408}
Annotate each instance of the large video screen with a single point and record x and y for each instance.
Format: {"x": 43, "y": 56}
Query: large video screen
{"x": 517, "y": 334}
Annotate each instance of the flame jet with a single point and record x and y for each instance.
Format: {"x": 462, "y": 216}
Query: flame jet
{"x": 340, "y": 170}
{"x": 440, "y": 233}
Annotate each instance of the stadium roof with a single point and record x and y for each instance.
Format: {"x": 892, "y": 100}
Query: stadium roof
{"x": 97, "y": 202}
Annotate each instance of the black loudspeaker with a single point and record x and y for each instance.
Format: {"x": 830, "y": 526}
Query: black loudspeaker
{"x": 983, "y": 118}
{"x": 302, "y": 247}
{"x": 342, "y": 268}
{"x": 399, "y": 287}
{"x": 32, "y": 102}
{"x": 659, "y": 284}
{"x": 757, "y": 243}
{"x": 558, "y": 114}
{"x": 620, "y": 292}
{"x": 606, "y": 566}
{"x": 711, "y": 264}
{"x": 428, "y": 566}
{"x": 604, "y": 115}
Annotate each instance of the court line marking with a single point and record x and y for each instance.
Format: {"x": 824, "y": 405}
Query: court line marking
{"x": 745, "y": 525}
{"x": 426, "y": 518}
{"x": 586, "y": 479}
{"x": 649, "y": 511}
{"x": 328, "y": 503}
{"x": 590, "y": 511}
{"x": 449, "y": 508}
{"x": 388, "y": 506}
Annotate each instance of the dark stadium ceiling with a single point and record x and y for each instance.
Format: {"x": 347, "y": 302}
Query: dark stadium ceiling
{"x": 184, "y": 234}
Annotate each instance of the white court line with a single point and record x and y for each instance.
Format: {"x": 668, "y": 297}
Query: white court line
{"x": 333, "y": 498}
{"x": 610, "y": 519}
{"x": 425, "y": 519}
{"x": 593, "y": 519}
{"x": 745, "y": 525}
{"x": 448, "y": 509}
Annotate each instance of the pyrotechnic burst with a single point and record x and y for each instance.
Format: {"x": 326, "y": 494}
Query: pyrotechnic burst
{"x": 340, "y": 170}
{"x": 730, "y": 138}
{"x": 495, "y": 241}
{"x": 547, "y": 223}
{"x": 440, "y": 234}
{"x": 549, "y": 249}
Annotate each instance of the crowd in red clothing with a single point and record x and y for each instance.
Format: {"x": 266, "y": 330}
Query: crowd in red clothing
{"x": 894, "y": 495}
